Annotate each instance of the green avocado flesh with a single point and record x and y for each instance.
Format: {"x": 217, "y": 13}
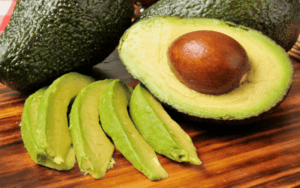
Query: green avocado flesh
{"x": 93, "y": 149}
{"x": 117, "y": 123}
{"x": 279, "y": 20}
{"x": 29, "y": 131}
{"x": 143, "y": 50}
{"x": 46, "y": 39}
{"x": 162, "y": 133}
{"x": 53, "y": 136}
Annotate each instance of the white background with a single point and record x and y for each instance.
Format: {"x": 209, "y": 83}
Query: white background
{"x": 4, "y": 6}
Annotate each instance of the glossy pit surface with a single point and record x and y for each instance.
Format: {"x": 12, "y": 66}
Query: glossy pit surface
{"x": 209, "y": 62}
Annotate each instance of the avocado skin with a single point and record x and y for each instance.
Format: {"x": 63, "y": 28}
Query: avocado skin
{"x": 222, "y": 124}
{"x": 46, "y": 39}
{"x": 279, "y": 20}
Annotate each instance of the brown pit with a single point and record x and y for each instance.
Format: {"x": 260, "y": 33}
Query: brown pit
{"x": 209, "y": 62}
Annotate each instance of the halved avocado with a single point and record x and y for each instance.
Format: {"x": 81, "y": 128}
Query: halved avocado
{"x": 143, "y": 50}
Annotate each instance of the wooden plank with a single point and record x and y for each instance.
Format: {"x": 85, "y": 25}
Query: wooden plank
{"x": 263, "y": 154}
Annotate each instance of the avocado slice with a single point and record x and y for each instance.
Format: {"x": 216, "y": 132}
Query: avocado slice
{"x": 53, "y": 136}
{"x": 46, "y": 39}
{"x": 117, "y": 124}
{"x": 279, "y": 20}
{"x": 92, "y": 147}
{"x": 29, "y": 130}
{"x": 162, "y": 133}
{"x": 269, "y": 78}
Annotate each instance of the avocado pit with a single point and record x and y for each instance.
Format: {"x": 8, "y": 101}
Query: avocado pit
{"x": 209, "y": 62}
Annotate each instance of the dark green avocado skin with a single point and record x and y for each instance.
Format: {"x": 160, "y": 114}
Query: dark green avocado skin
{"x": 48, "y": 38}
{"x": 279, "y": 20}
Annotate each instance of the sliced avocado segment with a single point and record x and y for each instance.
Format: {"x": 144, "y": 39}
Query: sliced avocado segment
{"x": 117, "y": 124}
{"x": 53, "y": 134}
{"x": 29, "y": 131}
{"x": 29, "y": 127}
{"x": 269, "y": 78}
{"x": 279, "y": 20}
{"x": 92, "y": 147}
{"x": 162, "y": 133}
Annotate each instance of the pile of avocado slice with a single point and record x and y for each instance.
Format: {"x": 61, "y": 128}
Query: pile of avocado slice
{"x": 99, "y": 111}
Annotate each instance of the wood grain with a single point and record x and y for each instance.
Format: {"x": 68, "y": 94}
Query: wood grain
{"x": 263, "y": 154}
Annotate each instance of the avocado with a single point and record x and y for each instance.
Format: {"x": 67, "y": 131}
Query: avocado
{"x": 53, "y": 136}
{"x": 279, "y": 20}
{"x": 161, "y": 132}
{"x": 29, "y": 133}
{"x": 144, "y": 51}
{"x": 29, "y": 130}
{"x": 46, "y": 39}
{"x": 117, "y": 124}
{"x": 92, "y": 147}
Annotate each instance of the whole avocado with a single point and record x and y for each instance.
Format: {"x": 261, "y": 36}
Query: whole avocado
{"x": 279, "y": 20}
{"x": 45, "y": 39}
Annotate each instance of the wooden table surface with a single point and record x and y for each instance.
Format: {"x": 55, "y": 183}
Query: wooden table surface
{"x": 263, "y": 154}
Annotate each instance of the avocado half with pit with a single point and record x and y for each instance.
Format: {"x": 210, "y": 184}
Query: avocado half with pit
{"x": 144, "y": 51}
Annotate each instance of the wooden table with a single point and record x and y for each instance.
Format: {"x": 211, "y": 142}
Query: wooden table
{"x": 263, "y": 154}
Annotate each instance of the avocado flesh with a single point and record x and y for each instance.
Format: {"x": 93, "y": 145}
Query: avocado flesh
{"x": 270, "y": 75}
{"x": 28, "y": 124}
{"x": 92, "y": 147}
{"x": 162, "y": 133}
{"x": 117, "y": 124}
{"x": 28, "y": 130}
{"x": 46, "y": 39}
{"x": 279, "y": 20}
{"x": 53, "y": 136}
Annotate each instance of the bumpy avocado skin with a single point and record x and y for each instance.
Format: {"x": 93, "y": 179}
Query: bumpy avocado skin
{"x": 45, "y": 39}
{"x": 279, "y": 20}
